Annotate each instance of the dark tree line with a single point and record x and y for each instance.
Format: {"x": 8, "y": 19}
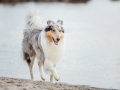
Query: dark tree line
{"x": 15, "y": 1}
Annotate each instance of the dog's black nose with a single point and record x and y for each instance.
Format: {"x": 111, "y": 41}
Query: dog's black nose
{"x": 58, "y": 39}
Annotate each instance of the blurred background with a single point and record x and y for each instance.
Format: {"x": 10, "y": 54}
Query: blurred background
{"x": 70, "y": 1}
{"x": 16, "y": 1}
{"x": 92, "y": 30}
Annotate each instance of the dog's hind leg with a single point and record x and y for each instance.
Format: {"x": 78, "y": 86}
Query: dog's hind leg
{"x": 31, "y": 66}
{"x": 40, "y": 64}
{"x": 40, "y": 58}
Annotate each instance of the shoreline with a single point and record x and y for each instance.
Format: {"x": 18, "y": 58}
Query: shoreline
{"x": 7, "y": 83}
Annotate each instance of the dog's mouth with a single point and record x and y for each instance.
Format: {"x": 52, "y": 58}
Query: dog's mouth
{"x": 56, "y": 42}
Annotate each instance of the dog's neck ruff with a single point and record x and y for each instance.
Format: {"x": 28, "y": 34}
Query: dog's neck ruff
{"x": 51, "y": 51}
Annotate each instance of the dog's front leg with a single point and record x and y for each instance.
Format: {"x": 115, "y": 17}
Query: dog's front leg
{"x": 49, "y": 66}
{"x": 52, "y": 79}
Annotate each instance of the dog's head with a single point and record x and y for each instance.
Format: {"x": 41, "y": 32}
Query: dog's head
{"x": 54, "y": 31}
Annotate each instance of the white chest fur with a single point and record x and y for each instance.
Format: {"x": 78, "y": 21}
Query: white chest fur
{"x": 52, "y": 52}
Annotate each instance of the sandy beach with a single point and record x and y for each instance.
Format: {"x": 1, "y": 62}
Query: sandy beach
{"x": 22, "y": 84}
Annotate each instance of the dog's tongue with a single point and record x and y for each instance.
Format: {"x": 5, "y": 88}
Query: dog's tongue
{"x": 56, "y": 42}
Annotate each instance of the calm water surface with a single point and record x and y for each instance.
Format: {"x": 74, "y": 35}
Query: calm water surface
{"x": 92, "y": 31}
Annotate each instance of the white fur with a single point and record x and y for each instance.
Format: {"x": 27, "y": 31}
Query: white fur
{"x": 35, "y": 20}
{"x": 53, "y": 53}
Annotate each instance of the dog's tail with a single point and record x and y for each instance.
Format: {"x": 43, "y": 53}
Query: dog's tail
{"x": 34, "y": 20}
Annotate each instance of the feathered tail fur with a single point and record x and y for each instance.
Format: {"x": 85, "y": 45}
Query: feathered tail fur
{"x": 34, "y": 20}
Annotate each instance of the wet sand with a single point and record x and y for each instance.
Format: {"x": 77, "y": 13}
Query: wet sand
{"x": 22, "y": 84}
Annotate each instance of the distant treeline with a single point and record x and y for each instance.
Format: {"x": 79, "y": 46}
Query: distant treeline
{"x": 15, "y": 1}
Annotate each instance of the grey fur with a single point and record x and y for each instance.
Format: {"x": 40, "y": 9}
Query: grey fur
{"x": 31, "y": 45}
{"x": 50, "y": 22}
{"x": 60, "y": 22}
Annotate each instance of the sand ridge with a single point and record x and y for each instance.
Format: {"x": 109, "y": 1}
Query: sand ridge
{"x": 22, "y": 84}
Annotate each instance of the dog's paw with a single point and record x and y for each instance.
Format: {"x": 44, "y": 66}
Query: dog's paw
{"x": 43, "y": 78}
{"x": 53, "y": 82}
{"x": 57, "y": 78}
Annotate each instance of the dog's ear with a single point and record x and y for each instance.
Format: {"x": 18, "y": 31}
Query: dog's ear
{"x": 60, "y": 22}
{"x": 49, "y": 22}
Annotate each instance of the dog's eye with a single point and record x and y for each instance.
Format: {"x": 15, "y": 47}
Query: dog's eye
{"x": 59, "y": 30}
{"x": 53, "y": 30}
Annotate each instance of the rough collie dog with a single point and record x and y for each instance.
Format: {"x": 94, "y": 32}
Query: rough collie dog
{"x": 46, "y": 45}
